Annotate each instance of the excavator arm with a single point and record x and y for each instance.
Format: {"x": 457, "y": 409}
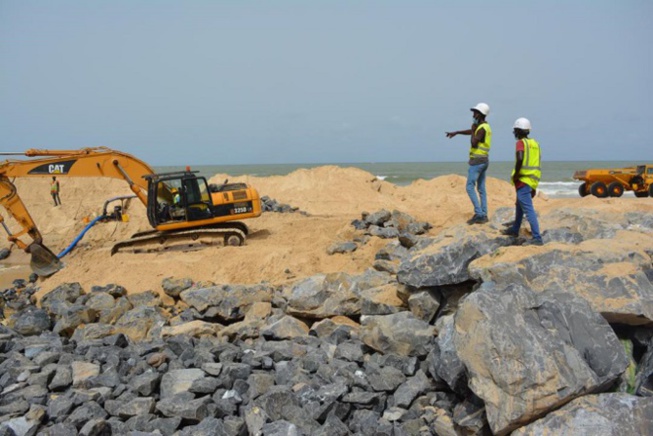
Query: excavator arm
{"x": 87, "y": 162}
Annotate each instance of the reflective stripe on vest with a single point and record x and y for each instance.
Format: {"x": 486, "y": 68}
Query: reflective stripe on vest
{"x": 531, "y": 172}
{"x": 482, "y": 148}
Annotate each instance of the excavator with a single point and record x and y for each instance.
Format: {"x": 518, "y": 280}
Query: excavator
{"x": 185, "y": 212}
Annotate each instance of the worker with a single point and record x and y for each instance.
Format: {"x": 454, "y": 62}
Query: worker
{"x": 479, "y": 160}
{"x": 526, "y": 178}
{"x": 54, "y": 191}
{"x": 176, "y": 198}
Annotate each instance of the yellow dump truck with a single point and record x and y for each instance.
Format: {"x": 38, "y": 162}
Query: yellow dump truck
{"x": 613, "y": 182}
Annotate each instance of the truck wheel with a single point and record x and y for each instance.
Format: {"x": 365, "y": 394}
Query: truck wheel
{"x": 641, "y": 194}
{"x": 650, "y": 190}
{"x": 615, "y": 189}
{"x": 583, "y": 191}
{"x": 598, "y": 189}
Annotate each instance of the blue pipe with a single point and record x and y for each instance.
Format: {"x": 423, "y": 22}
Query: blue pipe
{"x": 80, "y": 236}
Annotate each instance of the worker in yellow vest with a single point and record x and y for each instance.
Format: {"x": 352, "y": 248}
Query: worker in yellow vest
{"x": 479, "y": 160}
{"x": 526, "y": 178}
{"x": 54, "y": 191}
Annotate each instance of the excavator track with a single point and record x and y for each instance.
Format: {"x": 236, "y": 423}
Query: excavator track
{"x": 184, "y": 240}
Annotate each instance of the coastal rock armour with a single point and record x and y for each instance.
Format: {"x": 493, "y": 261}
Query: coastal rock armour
{"x": 604, "y": 414}
{"x": 552, "y": 348}
{"x": 612, "y": 279}
{"x": 444, "y": 260}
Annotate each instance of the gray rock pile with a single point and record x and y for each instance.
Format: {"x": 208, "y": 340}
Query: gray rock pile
{"x": 396, "y": 225}
{"x": 467, "y": 336}
{"x": 271, "y": 205}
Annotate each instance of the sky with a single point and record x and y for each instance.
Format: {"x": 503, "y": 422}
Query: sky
{"x": 267, "y": 82}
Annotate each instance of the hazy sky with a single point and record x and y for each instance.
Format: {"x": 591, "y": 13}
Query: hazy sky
{"x": 239, "y": 82}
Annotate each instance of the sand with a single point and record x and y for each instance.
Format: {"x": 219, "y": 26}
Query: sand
{"x": 281, "y": 248}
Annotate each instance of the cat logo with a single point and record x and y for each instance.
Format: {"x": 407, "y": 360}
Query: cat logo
{"x": 56, "y": 169}
{"x": 52, "y": 168}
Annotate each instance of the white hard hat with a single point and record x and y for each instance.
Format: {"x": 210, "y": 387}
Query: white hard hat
{"x": 522, "y": 123}
{"x": 482, "y": 108}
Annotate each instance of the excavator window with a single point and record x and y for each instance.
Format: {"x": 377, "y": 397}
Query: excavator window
{"x": 198, "y": 206}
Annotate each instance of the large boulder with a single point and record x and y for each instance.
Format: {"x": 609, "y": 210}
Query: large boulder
{"x": 400, "y": 333}
{"x": 551, "y": 349}
{"x": 444, "y": 260}
{"x": 326, "y": 295}
{"x": 613, "y": 414}
{"x": 612, "y": 279}
{"x": 225, "y": 302}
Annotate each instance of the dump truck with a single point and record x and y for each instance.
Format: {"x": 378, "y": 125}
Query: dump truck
{"x": 613, "y": 182}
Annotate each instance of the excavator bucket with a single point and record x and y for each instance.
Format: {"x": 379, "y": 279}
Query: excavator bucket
{"x": 44, "y": 262}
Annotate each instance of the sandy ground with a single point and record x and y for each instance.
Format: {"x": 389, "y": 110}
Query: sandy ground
{"x": 281, "y": 248}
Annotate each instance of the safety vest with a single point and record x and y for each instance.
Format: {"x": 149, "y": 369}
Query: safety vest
{"x": 482, "y": 148}
{"x": 54, "y": 189}
{"x": 530, "y": 172}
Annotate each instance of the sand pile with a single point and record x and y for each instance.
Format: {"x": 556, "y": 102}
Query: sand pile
{"x": 281, "y": 248}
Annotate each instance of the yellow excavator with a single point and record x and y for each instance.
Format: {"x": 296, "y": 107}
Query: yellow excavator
{"x": 186, "y": 213}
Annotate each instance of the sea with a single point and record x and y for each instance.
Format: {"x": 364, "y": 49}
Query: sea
{"x": 557, "y": 177}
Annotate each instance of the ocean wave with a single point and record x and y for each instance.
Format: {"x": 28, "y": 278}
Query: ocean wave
{"x": 381, "y": 177}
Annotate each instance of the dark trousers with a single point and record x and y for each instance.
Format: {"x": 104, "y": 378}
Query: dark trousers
{"x": 57, "y": 200}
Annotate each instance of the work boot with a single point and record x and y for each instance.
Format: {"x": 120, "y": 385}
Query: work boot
{"x": 537, "y": 242}
{"x": 509, "y": 232}
{"x": 473, "y": 219}
{"x": 481, "y": 220}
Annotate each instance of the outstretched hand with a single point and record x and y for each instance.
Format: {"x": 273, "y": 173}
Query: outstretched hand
{"x": 451, "y": 134}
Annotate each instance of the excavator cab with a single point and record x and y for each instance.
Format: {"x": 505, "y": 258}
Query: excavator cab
{"x": 178, "y": 197}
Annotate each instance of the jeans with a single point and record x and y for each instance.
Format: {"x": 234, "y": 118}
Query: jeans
{"x": 525, "y": 206}
{"x": 476, "y": 178}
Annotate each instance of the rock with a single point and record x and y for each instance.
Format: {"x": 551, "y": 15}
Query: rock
{"x": 195, "y": 329}
{"x": 287, "y": 327}
{"x": 377, "y": 218}
{"x": 32, "y": 321}
{"x": 179, "y": 381}
{"x": 424, "y": 304}
{"x": 411, "y": 389}
{"x": 73, "y": 317}
{"x": 326, "y": 295}
{"x": 644, "y": 378}
{"x": 116, "y": 291}
{"x": 342, "y": 247}
{"x": 93, "y": 331}
{"x": 173, "y": 287}
{"x": 399, "y": 333}
{"x": 383, "y": 232}
{"x": 183, "y": 405}
{"x": 226, "y": 302}
{"x": 137, "y": 407}
{"x": 138, "y": 322}
{"x": 4, "y": 253}
{"x": 96, "y": 427}
{"x": 65, "y": 295}
{"x": 611, "y": 279}
{"x": 147, "y": 298}
{"x": 551, "y": 349}
{"x": 82, "y": 371}
{"x": 110, "y": 314}
{"x": 444, "y": 260}
{"x": 382, "y": 300}
{"x": 603, "y": 414}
